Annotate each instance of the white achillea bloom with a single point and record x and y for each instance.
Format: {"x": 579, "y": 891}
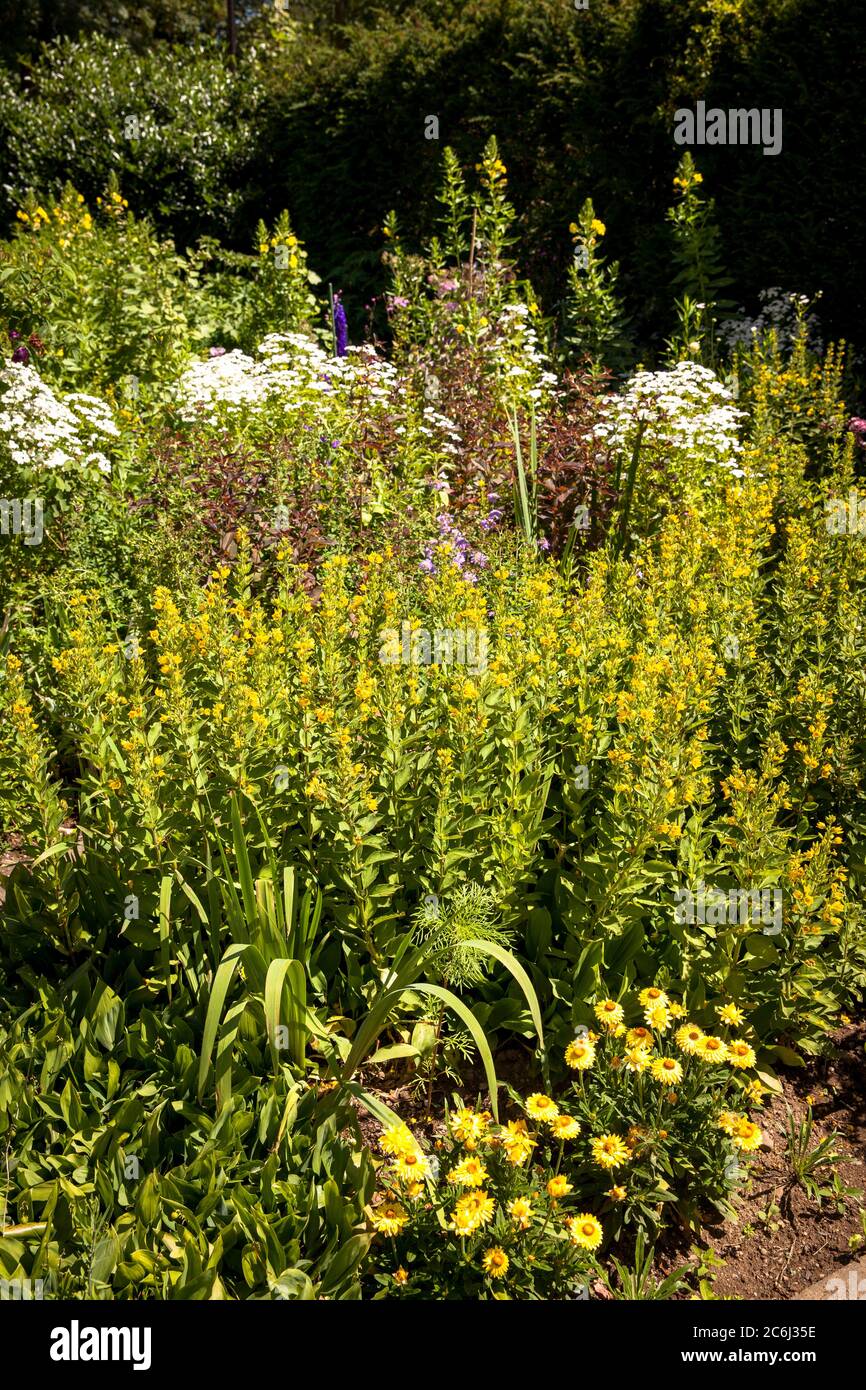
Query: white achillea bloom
{"x": 516, "y": 350}
{"x": 687, "y": 409}
{"x": 293, "y": 376}
{"x": 44, "y": 430}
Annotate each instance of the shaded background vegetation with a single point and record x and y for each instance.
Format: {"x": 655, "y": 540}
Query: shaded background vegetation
{"x": 324, "y": 113}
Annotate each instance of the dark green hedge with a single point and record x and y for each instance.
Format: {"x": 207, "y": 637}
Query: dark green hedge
{"x": 583, "y": 103}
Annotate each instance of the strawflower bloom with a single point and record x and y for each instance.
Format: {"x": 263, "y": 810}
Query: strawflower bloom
{"x": 541, "y": 1107}
{"x": 517, "y": 1142}
{"x": 609, "y": 1151}
{"x": 564, "y": 1127}
{"x": 558, "y": 1187}
{"x": 520, "y": 1211}
{"x": 585, "y": 1231}
{"x": 471, "y": 1172}
{"x": 711, "y": 1049}
{"x": 740, "y": 1054}
{"x": 495, "y": 1262}
{"x": 580, "y": 1055}
{"x": 389, "y": 1218}
{"x": 747, "y": 1136}
{"x": 729, "y": 1013}
{"x": 689, "y": 1038}
{"x": 667, "y": 1070}
{"x": 609, "y": 1013}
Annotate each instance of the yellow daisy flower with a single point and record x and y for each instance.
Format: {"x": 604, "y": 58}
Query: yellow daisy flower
{"x": 729, "y": 1013}
{"x": 667, "y": 1070}
{"x": 609, "y": 1013}
{"x": 609, "y": 1151}
{"x": 471, "y": 1172}
{"x": 558, "y": 1187}
{"x": 689, "y": 1038}
{"x": 740, "y": 1054}
{"x": 747, "y": 1136}
{"x": 388, "y": 1218}
{"x": 711, "y": 1049}
{"x": 580, "y": 1055}
{"x": 585, "y": 1231}
{"x": 541, "y": 1107}
{"x": 495, "y": 1262}
{"x": 564, "y": 1127}
{"x": 520, "y": 1211}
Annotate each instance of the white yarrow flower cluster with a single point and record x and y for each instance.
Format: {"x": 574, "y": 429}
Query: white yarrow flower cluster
{"x": 44, "y": 430}
{"x": 292, "y": 376}
{"x": 687, "y": 409}
{"x": 523, "y": 367}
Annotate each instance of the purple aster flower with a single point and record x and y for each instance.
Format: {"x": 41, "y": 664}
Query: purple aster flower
{"x": 14, "y": 335}
{"x": 544, "y": 544}
{"x": 341, "y": 327}
{"x": 21, "y": 355}
{"x": 216, "y": 352}
{"x": 427, "y": 566}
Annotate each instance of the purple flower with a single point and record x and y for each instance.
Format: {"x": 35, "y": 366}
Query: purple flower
{"x": 858, "y": 429}
{"x": 14, "y": 335}
{"x": 427, "y": 566}
{"x": 341, "y": 327}
{"x": 216, "y": 352}
{"x": 21, "y": 355}
{"x": 544, "y": 544}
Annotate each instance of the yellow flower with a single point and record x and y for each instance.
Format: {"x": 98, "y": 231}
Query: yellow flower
{"x": 609, "y": 1151}
{"x": 468, "y": 1126}
{"x": 652, "y": 996}
{"x": 401, "y": 1276}
{"x": 517, "y": 1142}
{"x": 411, "y": 1166}
{"x": 740, "y": 1054}
{"x": 470, "y": 1172}
{"x": 729, "y": 1013}
{"x": 711, "y": 1049}
{"x": 639, "y": 1037}
{"x": 637, "y": 1060}
{"x": 609, "y": 1013}
{"x": 580, "y": 1055}
{"x": 598, "y": 227}
{"x": 616, "y": 1194}
{"x": 475, "y": 1209}
{"x": 541, "y": 1107}
{"x": 573, "y": 227}
{"x": 399, "y": 1139}
{"x": 657, "y": 1017}
{"x": 389, "y": 1218}
{"x": 558, "y": 1187}
{"x": 667, "y": 1070}
{"x": 747, "y": 1136}
{"x": 495, "y": 1262}
{"x": 520, "y": 1211}
{"x": 564, "y": 1127}
{"x": 689, "y": 1038}
{"x": 728, "y": 1121}
{"x": 585, "y": 1231}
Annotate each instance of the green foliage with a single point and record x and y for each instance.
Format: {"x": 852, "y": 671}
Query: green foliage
{"x": 595, "y": 320}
